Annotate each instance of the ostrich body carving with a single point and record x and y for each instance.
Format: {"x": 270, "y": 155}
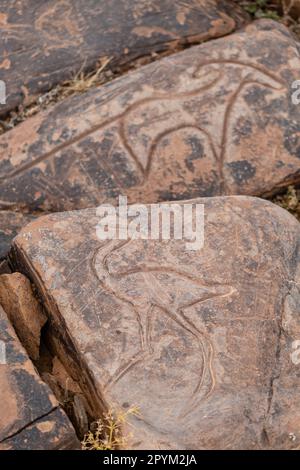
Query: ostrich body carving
{"x": 165, "y": 288}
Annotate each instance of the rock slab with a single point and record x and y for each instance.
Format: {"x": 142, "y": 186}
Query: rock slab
{"x": 201, "y": 342}
{"x": 10, "y": 223}
{"x": 44, "y": 43}
{"x": 30, "y": 417}
{"x": 215, "y": 119}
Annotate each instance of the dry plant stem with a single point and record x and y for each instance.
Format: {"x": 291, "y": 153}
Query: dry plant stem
{"x": 108, "y": 433}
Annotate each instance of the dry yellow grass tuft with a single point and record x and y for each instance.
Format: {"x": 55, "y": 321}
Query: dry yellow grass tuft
{"x": 108, "y": 432}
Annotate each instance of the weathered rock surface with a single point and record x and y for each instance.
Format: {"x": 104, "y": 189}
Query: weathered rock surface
{"x": 23, "y": 310}
{"x": 30, "y": 417}
{"x": 45, "y": 42}
{"x": 10, "y": 223}
{"x": 215, "y": 119}
{"x": 201, "y": 342}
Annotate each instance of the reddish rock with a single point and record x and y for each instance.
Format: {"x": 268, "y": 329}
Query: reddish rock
{"x": 10, "y": 224}
{"x": 23, "y": 310}
{"x": 202, "y": 342}
{"x": 215, "y": 119}
{"x": 30, "y": 417}
{"x": 46, "y": 42}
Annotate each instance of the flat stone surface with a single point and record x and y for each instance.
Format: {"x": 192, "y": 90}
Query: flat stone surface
{"x": 10, "y": 224}
{"x": 30, "y": 417}
{"x": 45, "y": 42}
{"x": 201, "y": 342}
{"x": 215, "y": 119}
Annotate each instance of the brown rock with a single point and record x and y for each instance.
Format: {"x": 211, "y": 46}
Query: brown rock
{"x": 10, "y": 224}
{"x": 215, "y": 119}
{"x": 201, "y": 342}
{"x": 46, "y": 42}
{"x": 23, "y": 310}
{"x": 30, "y": 417}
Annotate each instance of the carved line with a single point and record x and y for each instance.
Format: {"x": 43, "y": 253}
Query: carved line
{"x": 226, "y": 122}
{"x": 256, "y": 67}
{"x": 111, "y": 291}
{"x": 145, "y": 172}
{"x": 166, "y": 269}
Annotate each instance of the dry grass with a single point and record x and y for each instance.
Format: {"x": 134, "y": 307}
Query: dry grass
{"x": 108, "y": 432}
{"x": 80, "y": 83}
{"x": 290, "y": 201}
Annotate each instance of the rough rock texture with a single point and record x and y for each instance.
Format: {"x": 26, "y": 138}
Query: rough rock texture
{"x": 10, "y": 224}
{"x": 200, "y": 341}
{"x": 23, "y": 310}
{"x": 45, "y": 42}
{"x": 52, "y": 432}
{"x": 215, "y": 119}
{"x": 30, "y": 417}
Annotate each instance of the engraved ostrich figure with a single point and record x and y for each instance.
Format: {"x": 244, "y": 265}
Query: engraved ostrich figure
{"x": 165, "y": 288}
{"x": 203, "y": 79}
{"x": 209, "y": 74}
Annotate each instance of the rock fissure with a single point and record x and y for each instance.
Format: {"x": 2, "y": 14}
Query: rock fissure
{"x": 35, "y": 421}
{"x": 56, "y": 344}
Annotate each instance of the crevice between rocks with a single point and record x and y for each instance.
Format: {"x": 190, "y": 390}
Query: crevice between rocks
{"x": 59, "y": 363}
